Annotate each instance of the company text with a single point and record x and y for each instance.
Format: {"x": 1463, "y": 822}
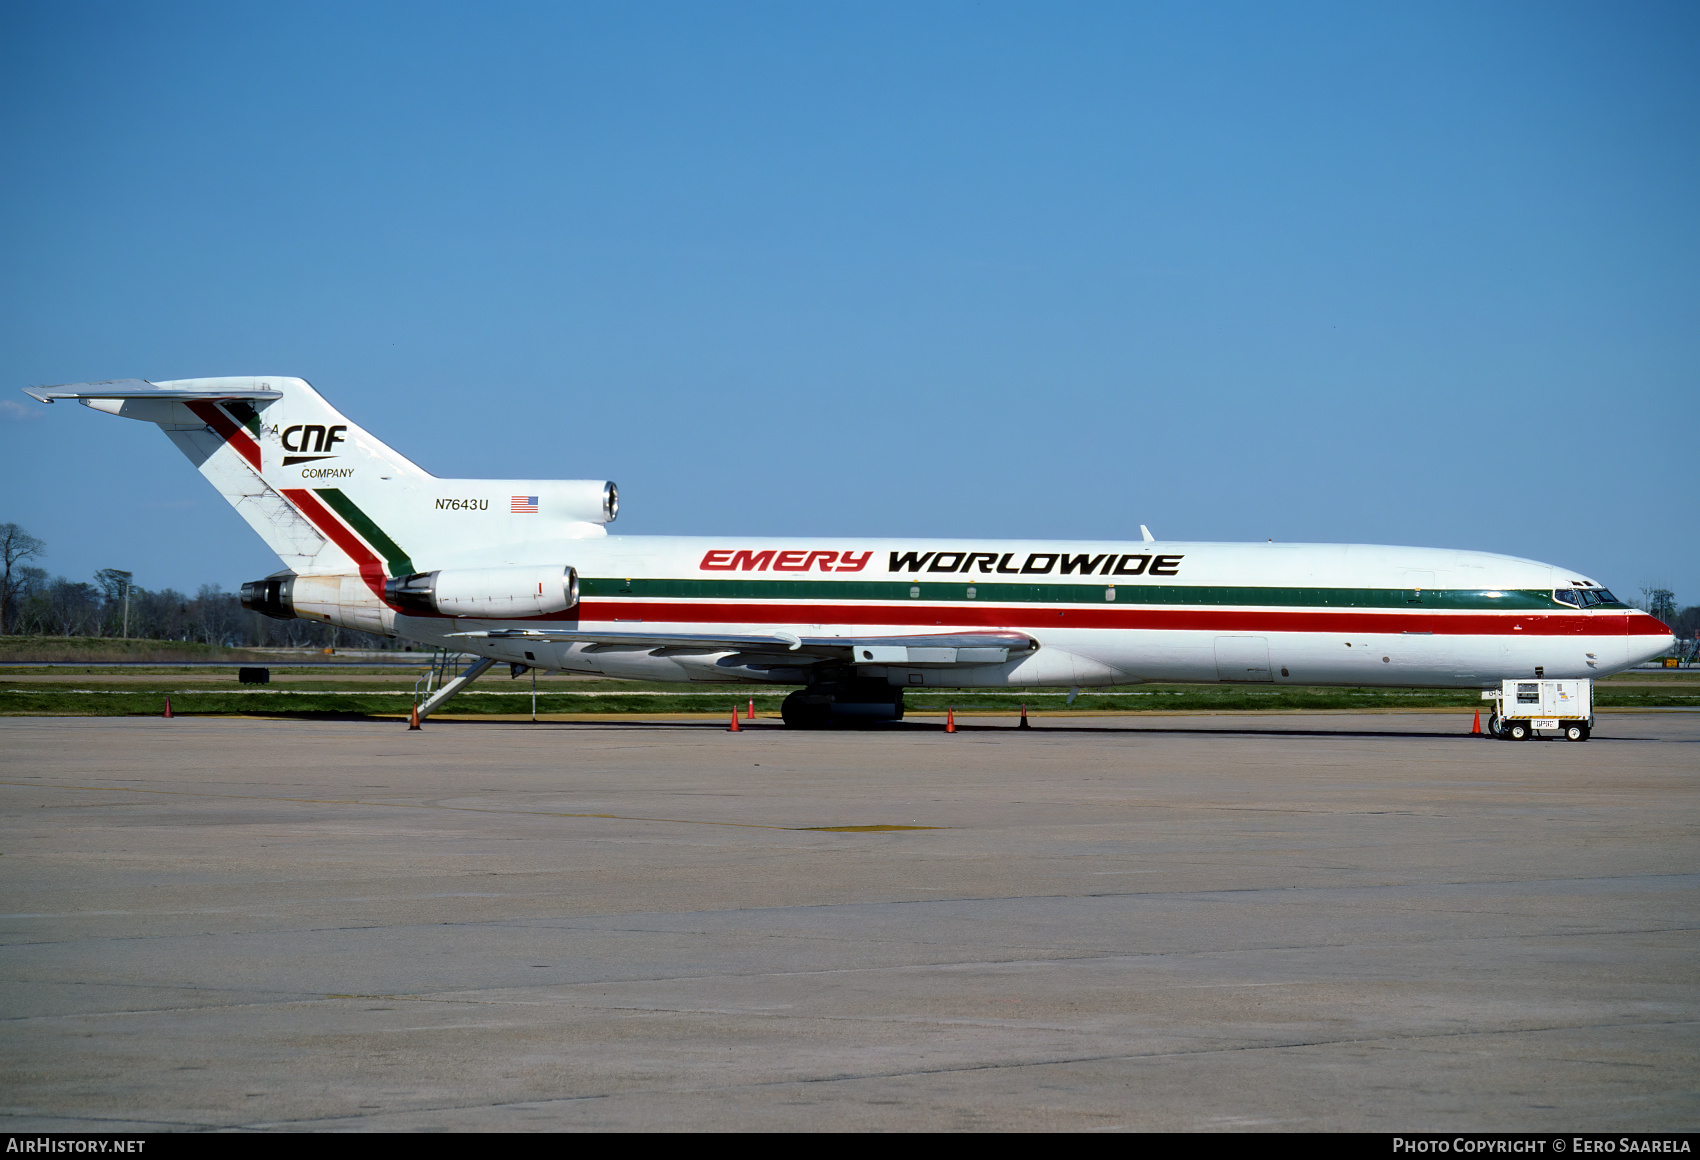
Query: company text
{"x": 743, "y": 560}
{"x": 1039, "y": 563}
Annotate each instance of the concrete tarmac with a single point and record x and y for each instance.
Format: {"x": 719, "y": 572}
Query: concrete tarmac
{"x": 1316, "y": 922}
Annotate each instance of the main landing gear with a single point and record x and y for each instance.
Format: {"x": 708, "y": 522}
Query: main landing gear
{"x": 846, "y": 704}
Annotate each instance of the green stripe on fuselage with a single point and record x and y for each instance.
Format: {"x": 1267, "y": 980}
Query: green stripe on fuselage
{"x": 395, "y": 559}
{"x": 1507, "y": 600}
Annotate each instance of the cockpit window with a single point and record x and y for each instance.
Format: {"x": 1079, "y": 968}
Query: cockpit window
{"x": 1565, "y": 596}
{"x": 1606, "y": 597}
{"x": 1589, "y": 597}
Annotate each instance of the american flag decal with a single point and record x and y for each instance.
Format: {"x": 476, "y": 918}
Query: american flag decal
{"x": 524, "y": 505}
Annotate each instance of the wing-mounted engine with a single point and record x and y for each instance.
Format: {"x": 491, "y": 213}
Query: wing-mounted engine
{"x": 493, "y": 593}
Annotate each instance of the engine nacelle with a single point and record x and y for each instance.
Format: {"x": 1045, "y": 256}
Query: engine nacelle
{"x": 274, "y": 596}
{"x": 486, "y": 592}
{"x": 551, "y": 501}
{"x": 345, "y": 599}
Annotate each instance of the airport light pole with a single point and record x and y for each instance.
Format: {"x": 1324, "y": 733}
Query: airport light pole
{"x": 123, "y": 579}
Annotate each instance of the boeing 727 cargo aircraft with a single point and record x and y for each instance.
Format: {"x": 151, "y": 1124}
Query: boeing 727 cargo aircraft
{"x": 524, "y": 571}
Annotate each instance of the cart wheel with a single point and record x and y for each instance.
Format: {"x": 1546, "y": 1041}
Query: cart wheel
{"x": 1518, "y": 731}
{"x": 1575, "y": 732}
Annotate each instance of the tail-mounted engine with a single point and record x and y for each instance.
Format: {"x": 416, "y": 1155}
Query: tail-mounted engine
{"x": 348, "y": 600}
{"x": 273, "y": 596}
{"x": 485, "y": 592}
{"x": 345, "y": 599}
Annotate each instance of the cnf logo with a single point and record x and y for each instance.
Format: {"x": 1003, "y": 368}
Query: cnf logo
{"x": 312, "y": 437}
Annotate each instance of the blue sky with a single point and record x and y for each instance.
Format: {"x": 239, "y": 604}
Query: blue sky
{"x": 1418, "y": 273}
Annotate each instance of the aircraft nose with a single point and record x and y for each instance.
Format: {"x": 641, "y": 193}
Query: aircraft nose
{"x": 1645, "y": 648}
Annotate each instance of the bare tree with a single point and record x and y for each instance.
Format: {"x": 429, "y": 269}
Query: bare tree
{"x": 217, "y": 616}
{"x": 28, "y": 586}
{"x": 16, "y": 545}
{"x": 71, "y": 608}
{"x": 114, "y": 584}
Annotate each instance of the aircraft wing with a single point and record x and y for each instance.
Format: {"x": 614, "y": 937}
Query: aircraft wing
{"x": 966, "y": 648}
{"x": 139, "y": 389}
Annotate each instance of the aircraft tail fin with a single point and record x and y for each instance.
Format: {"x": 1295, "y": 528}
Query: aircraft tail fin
{"x": 325, "y": 494}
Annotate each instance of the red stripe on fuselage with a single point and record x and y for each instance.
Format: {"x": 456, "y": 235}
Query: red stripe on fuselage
{"x": 229, "y": 430}
{"x": 1151, "y": 619}
{"x": 371, "y": 568}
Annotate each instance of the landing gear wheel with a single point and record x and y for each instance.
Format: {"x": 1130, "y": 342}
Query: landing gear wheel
{"x": 843, "y": 705}
{"x": 802, "y": 711}
{"x": 1517, "y": 731}
{"x": 1576, "y": 731}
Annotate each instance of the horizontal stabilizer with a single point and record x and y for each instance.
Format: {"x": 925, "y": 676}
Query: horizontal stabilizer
{"x": 140, "y": 389}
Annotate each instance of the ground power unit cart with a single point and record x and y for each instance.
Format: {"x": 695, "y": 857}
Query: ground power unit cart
{"x": 1523, "y": 708}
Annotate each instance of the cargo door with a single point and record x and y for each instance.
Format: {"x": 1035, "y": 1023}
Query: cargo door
{"x": 1243, "y": 658}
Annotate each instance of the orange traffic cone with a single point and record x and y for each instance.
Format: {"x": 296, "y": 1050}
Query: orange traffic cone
{"x": 168, "y": 706}
{"x": 733, "y": 728}
{"x": 752, "y": 715}
{"x": 1024, "y": 724}
{"x": 950, "y": 720}
{"x": 1476, "y": 725}
{"x": 413, "y": 718}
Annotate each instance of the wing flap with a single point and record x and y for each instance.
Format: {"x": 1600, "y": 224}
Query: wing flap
{"x": 972, "y": 648}
{"x": 651, "y": 639}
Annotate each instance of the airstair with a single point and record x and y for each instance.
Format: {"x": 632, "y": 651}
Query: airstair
{"x": 450, "y": 672}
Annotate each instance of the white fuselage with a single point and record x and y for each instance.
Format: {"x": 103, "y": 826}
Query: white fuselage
{"x": 1104, "y": 613}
